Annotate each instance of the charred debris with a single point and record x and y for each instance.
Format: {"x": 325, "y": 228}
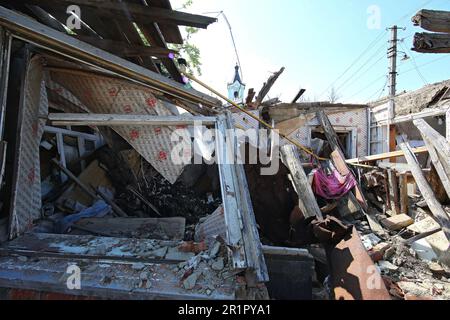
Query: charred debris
{"x": 87, "y": 122}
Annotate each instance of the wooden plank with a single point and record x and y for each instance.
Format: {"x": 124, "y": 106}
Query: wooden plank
{"x": 433, "y": 20}
{"x": 439, "y": 150}
{"x": 233, "y": 220}
{"x": 393, "y": 192}
{"x": 253, "y": 246}
{"x": 397, "y": 222}
{"x": 89, "y": 119}
{"x": 170, "y": 32}
{"x": 130, "y": 11}
{"x": 241, "y": 229}
{"x": 46, "y": 37}
{"x": 431, "y": 43}
{"x": 404, "y": 200}
{"x": 85, "y": 188}
{"x": 338, "y": 156}
{"x": 3, "y": 146}
{"x": 375, "y": 226}
{"x": 153, "y": 35}
{"x": 384, "y": 156}
{"x": 425, "y": 188}
{"x": 267, "y": 86}
{"x": 298, "y": 95}
{"x": 387, "y": 190}
{"x": 123, "y": 49}
{"x": 307, "y": 201}
{"x": 5, "y": 48}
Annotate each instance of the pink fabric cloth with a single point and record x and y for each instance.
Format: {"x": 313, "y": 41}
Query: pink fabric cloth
{"x": 332, "y": 186}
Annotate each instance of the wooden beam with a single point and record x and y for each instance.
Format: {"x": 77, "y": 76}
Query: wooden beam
{"x": 432, "y": 43}
{"x": 48, "y": 38}
{"x": 392, "y": 142}
{"x": 89, "y": 119}
{"x": 298, "y": 95}
{"x": 170, "y": 32}
{"x": 404, "y": 200}
{"x": 123, "y": 49}
{"x": 307, "y": 201}
{"x": 439, "y": 150}
{"x": 425, "y": 189}
{"x": 433, "y": 20}
{"x": 267, "y": 86}
{"x": 338, "y": 156}
{"x": 92, "y": 194}
{"x": 393, "y": 189}
{"x": 126, "y": 11}
{"x": 3, "y": 146}
{"x": 384, "y": 156}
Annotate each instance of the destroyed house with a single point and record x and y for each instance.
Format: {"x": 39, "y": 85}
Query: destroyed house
{"x": 101, "y": 196}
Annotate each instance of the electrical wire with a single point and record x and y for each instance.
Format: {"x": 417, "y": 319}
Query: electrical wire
{"x": 369, "y": 47}
{"x": 379, "y": 92}
{"x": 413, "y": 60}
{"x": 362, "y": 66}
{"x": 425, "y": 64}
{"x": 368, "y": 86}
{"x": 378, "y": 38}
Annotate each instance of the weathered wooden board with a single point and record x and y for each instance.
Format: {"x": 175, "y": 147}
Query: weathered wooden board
{"x": 433, "y": 20}
{"x": 425, "y": 189}
{"x": 432, "y": 43}
{"x": 393, "y": 192}
{"x": 439, "y": 150}
{"x": 307, "y": 201}
{"x": 337, "y": 155}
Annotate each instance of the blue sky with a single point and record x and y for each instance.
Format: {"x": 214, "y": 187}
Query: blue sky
{"x": 316, "y": 40}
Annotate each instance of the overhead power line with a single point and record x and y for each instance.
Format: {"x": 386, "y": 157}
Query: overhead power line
{"x": 363, "y": 65}
{"x": 368, "y": 86}
{"x": 413, "y": 60}
{"x": 425, "y": 64}
{"x": 369, "y": 47}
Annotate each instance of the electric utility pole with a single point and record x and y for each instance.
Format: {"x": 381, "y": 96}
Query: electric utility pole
{"x": 392, "y": 56}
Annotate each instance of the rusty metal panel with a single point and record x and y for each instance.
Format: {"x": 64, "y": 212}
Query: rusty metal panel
{"x": 26, "y": 198}
{"x": 354, "y": 275}
{"x": 100, "y": 94}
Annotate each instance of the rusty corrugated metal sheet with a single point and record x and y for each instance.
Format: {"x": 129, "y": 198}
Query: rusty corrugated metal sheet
{"x": 353, "y": 273}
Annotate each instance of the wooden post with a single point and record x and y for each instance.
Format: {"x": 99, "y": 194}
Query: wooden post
{"x": 307, "y": 201}
{"x": 439, "y": 150}
{"x": 425, "y": 189}
{"x": 393, "y": 192}
{"x": 338, "y": 156}
{"x": 433, "y": 20}
{"x": 432, "y": 42}
{"x": 447, "y": 125}
{"x": 387, "y": 190}
{"x": 392, "y": 143}
{"x": 404, "y": 200}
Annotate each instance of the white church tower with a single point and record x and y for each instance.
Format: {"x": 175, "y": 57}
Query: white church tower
{"x": 236, "y": 89}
